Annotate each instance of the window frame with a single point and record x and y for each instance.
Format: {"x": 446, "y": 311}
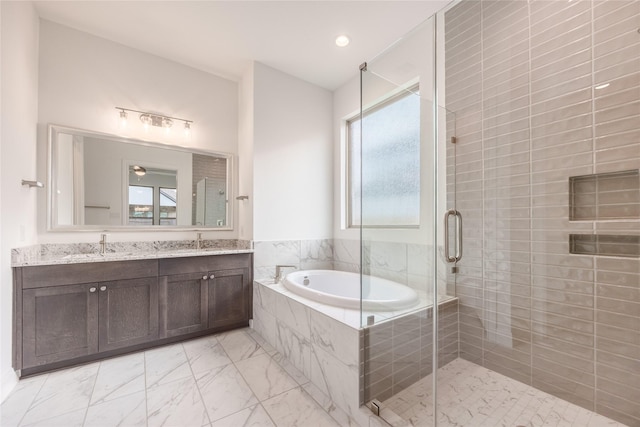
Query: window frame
{"x": 413, "y": 89}
{"x": 160, "y": 205}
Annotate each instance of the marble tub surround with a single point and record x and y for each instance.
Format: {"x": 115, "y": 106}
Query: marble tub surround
{"x": 314, "y": 254}
{"x": 325, "y": 350}
{"x": 404, "y": 263}
{"x": 351, "y": 318}
{"x": 70, "y": 253}
{"x": 325, "y": 343}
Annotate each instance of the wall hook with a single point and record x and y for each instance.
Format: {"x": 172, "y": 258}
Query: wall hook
{"x": 37, "y": 184}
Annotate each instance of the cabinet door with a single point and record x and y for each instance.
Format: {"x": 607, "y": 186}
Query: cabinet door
{"x": 183, "y": 304}
{"x": 228, "y": 297}
{"x": 59, "y": 323}
{"x": 128, "y": 313}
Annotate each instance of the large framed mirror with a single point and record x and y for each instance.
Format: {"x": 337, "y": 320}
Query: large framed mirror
{"x": 102, "y": 181}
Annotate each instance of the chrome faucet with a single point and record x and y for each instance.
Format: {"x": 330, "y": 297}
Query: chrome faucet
{"x": 279, "y": 271}
{"x": 103, "y": 244}
{"x": 199, "y": 241}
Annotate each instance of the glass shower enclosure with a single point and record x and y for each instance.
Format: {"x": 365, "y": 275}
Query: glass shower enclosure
{"x": 496, "y": 168}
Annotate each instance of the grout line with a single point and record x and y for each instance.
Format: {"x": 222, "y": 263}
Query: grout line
{"x": 594, "y": 227}
{"x": 531, "y": 196}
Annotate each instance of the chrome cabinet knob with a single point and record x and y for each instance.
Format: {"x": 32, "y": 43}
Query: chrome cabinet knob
{"x": 103, "y": 288}
{"x": 92, "y": 289}
{"x": 204, "y": 277}
{"x": 212, "y": 277}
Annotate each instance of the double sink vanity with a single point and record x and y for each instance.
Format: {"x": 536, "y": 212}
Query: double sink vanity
{"x": 79, "y": 307}
{"x": 75, "y": 303}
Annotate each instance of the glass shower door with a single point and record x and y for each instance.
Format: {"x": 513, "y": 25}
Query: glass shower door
{"x": 396, "y": 166}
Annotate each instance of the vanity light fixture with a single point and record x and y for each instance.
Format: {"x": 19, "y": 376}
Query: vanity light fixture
{"x": 153, "y": 119}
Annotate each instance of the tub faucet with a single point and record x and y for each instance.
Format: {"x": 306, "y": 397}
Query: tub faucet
{"x": 103, "y": 244}
{"x": 279, "y": 271}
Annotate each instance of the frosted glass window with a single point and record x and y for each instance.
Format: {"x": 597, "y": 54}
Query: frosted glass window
{"x": 384, "y": 169}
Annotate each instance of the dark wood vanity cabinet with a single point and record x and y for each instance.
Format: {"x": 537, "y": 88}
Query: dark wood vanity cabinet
{"x": 68, "y": 314}
{"x": 228, "y": 297}
{"x": 60, "y": 323}
{"x": 127, "y": 313}
{"x": 202, "y": 293}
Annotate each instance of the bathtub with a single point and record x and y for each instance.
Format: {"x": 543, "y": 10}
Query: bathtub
{"x": 342, "y": 289}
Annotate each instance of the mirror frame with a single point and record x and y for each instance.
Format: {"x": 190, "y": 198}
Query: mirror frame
{"x": 52, "y": 133}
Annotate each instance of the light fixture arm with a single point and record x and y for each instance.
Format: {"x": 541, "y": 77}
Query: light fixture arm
{"x": 154, "y": 119}
{"x": 154, "y": 114}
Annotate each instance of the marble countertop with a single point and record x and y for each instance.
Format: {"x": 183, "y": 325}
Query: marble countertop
{"x": 77, "y": 258}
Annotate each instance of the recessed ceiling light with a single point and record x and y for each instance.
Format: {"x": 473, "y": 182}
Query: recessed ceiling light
{"x": 342, "y": 41}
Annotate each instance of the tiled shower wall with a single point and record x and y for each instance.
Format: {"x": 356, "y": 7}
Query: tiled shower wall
{"x": 399, "y": 352}
{"x": 542, "y": 91}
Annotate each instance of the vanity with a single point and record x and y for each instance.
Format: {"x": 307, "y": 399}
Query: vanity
{"x": 78, "y": 309}
{"x": 79, "y": 302}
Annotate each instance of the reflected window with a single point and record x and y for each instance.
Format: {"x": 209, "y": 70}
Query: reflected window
{"x": 140, "y": 205}
{"x": 168, "y": 212}
{"x": 384, "y": 165}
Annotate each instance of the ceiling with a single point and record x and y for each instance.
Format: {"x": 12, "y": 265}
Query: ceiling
{"x": 223, "y": 37}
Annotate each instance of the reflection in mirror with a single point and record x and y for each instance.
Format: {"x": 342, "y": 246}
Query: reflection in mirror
{"x": 102, "y": 181}
{"x": 152, "y": 196}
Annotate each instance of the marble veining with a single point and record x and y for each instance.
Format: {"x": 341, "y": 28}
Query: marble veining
{"x": 246, "y": 388}
{"x": 119, "y": 377}
{"x": 471, "y": 395}
{"x": 74, "y": 253}
{"x": 276, "y": 395}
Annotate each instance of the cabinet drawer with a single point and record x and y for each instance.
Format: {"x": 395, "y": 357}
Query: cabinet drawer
{"x": 171, "y": 266}
{"x": 71, "y": 274}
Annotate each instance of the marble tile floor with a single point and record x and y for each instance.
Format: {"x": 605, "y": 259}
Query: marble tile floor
{"x": 470, "y": 395}
{"x": 230, "y": 379}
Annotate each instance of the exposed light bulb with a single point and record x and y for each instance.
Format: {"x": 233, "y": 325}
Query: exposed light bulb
{"x": 342, "y": 41}
{"x": 166, "y": 124}
{"x": 146, "y": 121}
{"x": 187, "y": 129}
{"x": 123, "y": 118}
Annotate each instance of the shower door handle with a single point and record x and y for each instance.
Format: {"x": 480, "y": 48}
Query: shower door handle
{"x": 458, "y": 255}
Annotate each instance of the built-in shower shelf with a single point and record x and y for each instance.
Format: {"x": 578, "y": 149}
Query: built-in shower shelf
{"x": 605, "y": 196}
{"x": 605, "y": 245}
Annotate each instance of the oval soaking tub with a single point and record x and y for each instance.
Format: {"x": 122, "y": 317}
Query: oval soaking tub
{"x": 342, "y": 289}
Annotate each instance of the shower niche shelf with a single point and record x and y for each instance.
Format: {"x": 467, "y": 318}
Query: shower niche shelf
{"x": 605, "y": 196}
{"x": 605, "y": 245}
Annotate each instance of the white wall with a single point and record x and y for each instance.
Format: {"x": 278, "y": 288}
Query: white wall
{"x": 245, "y": 155}
{"x": 292, "y": 158}
{"x": 83, "y": 77}
{"x": 19, "y": 107}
